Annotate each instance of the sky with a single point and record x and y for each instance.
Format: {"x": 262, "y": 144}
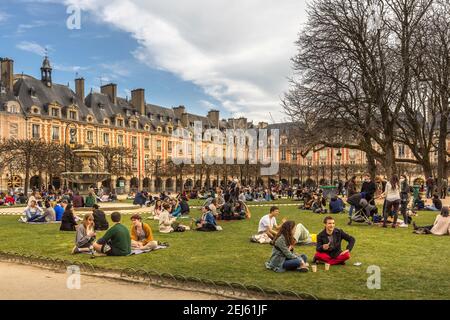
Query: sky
{"x": 229, "y": 55}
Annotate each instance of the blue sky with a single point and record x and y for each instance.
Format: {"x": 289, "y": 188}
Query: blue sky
{"x": 223, "y": 55}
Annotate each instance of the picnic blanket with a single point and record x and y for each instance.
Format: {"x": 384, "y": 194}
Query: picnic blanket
{"x": 138, "y": 251}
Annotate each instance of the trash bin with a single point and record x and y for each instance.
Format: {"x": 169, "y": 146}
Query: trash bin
{"x": 416, "y": 192}
{"x": 329, "y": 191}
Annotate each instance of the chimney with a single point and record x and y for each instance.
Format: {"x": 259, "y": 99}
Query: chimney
{"x": 185, "y": 120}
{"x": 179, "y": 111}
{"x": 242, "y": 123}
{"x": 214, "y": 116}
{"x": 7, "y": 74}
{"x": 111, "y": 91}
{"x": 262, "y": 125}
{"x": 79, "y": 88}
{"x": 138, "y": 100}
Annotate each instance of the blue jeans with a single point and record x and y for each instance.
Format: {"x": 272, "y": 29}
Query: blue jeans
{"x": 36, "y": 218}
{"x": 294, "y": 264}
{"x": 350, "y": 211}
{"x": 431, "y": 208}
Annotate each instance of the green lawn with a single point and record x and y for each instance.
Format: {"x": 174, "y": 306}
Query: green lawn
{"x": 412, "y": 266}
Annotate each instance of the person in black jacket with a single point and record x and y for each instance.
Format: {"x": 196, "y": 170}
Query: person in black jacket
{"x": 329, "y": 244}
{"x": 184, "y": 206}
{"x": 100, "y": 222}
{"x": 68, "y": 222}
{"x": 369, "y": 187}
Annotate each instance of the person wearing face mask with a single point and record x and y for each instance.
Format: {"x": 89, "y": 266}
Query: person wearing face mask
{"x": 404, "y": 198}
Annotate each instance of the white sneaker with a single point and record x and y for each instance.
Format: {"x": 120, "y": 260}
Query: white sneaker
{"x": 23, "y": 219}
{"x": 403, "y": 225}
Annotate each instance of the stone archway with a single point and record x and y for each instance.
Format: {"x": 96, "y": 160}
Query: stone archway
{"x": 35, "y": 182}
{"x": 146, "y": 184}
{"x": 169, "y": 184}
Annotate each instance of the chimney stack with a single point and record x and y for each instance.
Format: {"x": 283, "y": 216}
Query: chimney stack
{"x": 214, "y": 116}
{"x": 138, "y": 100}
{"x": 79, "y": 88}
{"x": 185, "y": 120}
{"x": 179, "y": 111}
{"x": 7, "y": 74}
{"x": 111, "y": 91}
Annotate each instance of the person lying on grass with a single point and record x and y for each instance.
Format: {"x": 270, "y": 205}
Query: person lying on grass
{"x": 329, "y": 244}
{"x": 440, "y": 227}
{"x": 141, "y": 234}
{"x": 283, "y": 257}
{"x": 85, "y": 236}
{"x": 207, "y": 222}
{"x": 116, "y": 241}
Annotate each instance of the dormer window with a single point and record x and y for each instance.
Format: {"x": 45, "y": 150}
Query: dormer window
{"x": 72, "y": 115}
{"x": 35, "y": 110}
{"x": 33, "y": 92}
{"x": 120, "y": 122}
{"x": 134, "y": 124}
{"x": 147, "y": 127}
{"x": 106, "y": 122}
{"x": 169, "y": 130}
{"x": 101, "y": 105}
{"x": 54, "y": 112}
{"x": 159, "y": 129}
{"x": 161, "y": 118}
{"x": 90, "y": 119}
{"x": 150, "y": 116}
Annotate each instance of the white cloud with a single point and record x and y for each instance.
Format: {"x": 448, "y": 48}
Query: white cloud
{"x": 65, "y": 68}
{"x": 3, "y": 17}
{"x": 32, "y": 47}
{"x": 237, "y": 51}
{"x": 22, "y": 28}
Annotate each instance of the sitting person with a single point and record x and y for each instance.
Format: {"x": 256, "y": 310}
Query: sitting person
{"x": 283, "y": 257}
{"x": 59, "y": 209}
{"x": 240, "y": 211}
{"x": 33, "y": 213}
{"x": 436, "y": 205}
{"x": 68, "y": 222}
{"x": 419, "y": 204}
{"x": 141, "y": 234}
{"x": 85, "y": 235}
{"x": 329, "y": 244}
{"x": 184, "y": 205}
{"x": 100, "y": 222}
{"x": 268, "y": 227}
{"x": 105, "y": 198}
{"x": 49, "y": 212}
{"x": 440, "y": 227}
{"x": 116, "y": 241}
{"x": 207, "y": 222}
{"x": 77, "y": 200}
{"x": 317, "y": 206}
{"x": 336, "y": 205}
{"x": 176, "y": 209}
{"x": 91, "y": 199}
{"x": 226, "y": 211}
{"x": 165, "y": 220}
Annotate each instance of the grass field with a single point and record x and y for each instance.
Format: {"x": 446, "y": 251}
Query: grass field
{"x": 412, "y": 266}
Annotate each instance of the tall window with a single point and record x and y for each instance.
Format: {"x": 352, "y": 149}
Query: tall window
{"x": 134, "y": 141}
{"x": 158, "y": 146}
{"x": 401, "y": 151}
{"x": 13, "y": 130}
{"x": 169, "y": 147}
{"x": 36, "y": 131}
{"x": 147, "y": 162}
{"x": 283, "y": 154}
{"x": 55, "y": 112}
{"x": 120, "y": 140}
{"x": 90, "y": 136}
{"x": 146, "y": 143}
{"x": 120, "y": 122}
{"x": 106, "y": 138}
{"x": 294, "y": 154}
{"x": 134, "y": 162}
{"x": 73, "y": 115}
{"x": 55, "y": 133}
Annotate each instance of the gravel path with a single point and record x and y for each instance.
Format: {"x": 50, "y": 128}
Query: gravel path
{"x": 21, "y": 282}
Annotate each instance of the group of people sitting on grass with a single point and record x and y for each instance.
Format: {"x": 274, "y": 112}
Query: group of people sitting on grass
{"x": 118, "y": 240}
{"x": 328, "y": 247}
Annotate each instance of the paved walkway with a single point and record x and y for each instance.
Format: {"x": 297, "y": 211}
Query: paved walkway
{"x": 34, "y": 283}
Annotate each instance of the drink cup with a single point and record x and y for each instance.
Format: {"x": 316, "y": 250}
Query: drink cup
{"x": 314, "y": 268}
{"x": 327, "y": 266}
